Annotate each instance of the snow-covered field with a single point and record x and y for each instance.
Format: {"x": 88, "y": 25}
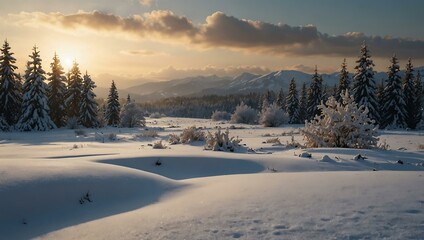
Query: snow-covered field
{"x": 267, "y": 193}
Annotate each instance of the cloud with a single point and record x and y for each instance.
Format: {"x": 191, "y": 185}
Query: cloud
{"x": 311, "y": 69}
{"x": 154, "y": 24}
{"x": 145, "y": 2}
{"x": 142, "y": 52}
{"x": 223, "y": 31}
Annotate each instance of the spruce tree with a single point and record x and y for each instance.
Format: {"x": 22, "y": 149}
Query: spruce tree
{"x": 314, "y": 95}
{"x": 292, "y": 103}
{"x": 303, "y": 103}
{"x": 364, "y": 89}
{"x": 394, "y": 105}
{"x": 35, "y": 110}
{"x": 380, "y": 97}
{"x": 113, "y": 107}
{"x": 281, "y": 100}
{"x": 88, "y": 106}
{"x": 409, "y": 95}
{"x": 73, "y": 95}
{"x": 419, "y": 98}
{"x": 56, "y": 92}
{"x": 344, "y": 81}
{"x": 10, "y": 88}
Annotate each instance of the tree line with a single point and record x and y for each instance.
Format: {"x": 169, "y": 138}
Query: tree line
{"x": 40, "y": 101}
{"x": 395, "y": 103}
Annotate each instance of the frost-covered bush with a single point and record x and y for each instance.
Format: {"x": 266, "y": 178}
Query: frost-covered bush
{"x": 80, "y": 132}
{"x": 244, "y": 114}
{"x": 341, "y": 125}
{"x": 174, "y": 139}
{"x": 192, "y": 134}
{"x": 273, "y": 116}
{"x": 157, "y": 115}
{"x": 132, "y": 116}
{"x": 72, "y": 123}
{"x": 221, "y": 141}
{"x": 220, "y": 115}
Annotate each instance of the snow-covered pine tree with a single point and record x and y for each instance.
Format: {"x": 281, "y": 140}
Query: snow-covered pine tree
{"x": 292, "y": 103}
{"x": 10, "y": 88}
{"x": 341, "y": 124}
{"x": 35, "y": 109}
{"x": 314, "y": 95}
{"x": 419, "y": 98}
{"x": 325, "y": 93}
{"x": 56, "y": 91}
{"x": 409, "y": 95}
{"x": 113, "y": 107}
{"x": 364, "y": 89}
{"x": 394, "y": 104}
{"x": 303, "y": 103}
{"x": 281, "y": 100}
{"x": 344, "y": 80}
{"x": 380, "y": 97}
{"x": 88, "y": 106}
{"x": 73, "y": 94}
{"x": 267, "y": 99}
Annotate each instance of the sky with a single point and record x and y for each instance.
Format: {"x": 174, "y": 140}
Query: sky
{"x": 131, "y": 40}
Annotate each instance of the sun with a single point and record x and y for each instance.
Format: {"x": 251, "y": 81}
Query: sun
{"x": 67, "y": 63}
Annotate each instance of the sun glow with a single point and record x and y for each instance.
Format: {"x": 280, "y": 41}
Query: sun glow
{"x": 67, "y": 63}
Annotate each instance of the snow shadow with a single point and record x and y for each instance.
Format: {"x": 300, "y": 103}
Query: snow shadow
{"x": 40, "y": 206}
{"x": 179, "y": 168}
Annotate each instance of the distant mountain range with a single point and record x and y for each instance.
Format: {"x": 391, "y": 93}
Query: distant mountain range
{"x": 243, "y": 83}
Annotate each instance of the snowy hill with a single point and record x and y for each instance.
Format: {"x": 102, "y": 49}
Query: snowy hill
{"x": 270, "y": 193}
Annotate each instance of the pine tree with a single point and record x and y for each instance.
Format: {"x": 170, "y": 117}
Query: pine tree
{"x": 325, "y": 93}
{"x": 419, "y": 98}
{"x": 303, "y": 103}
{"x": 113, "y": 107}
{"x": 380, "y": 97}
{"x": 394, "y": 105}
{"x": 292, "y": 103}
{"x": 88, "y": 106}
{"x": 73, "y": 95}
{"x": 409, "y": 95}
{"x": 35, "y": 110}
{"x": 314, "y": 95}
{"x": 10, "y": 88}
{"x": 344, "y": 81}
{"x": 281, "y": 100}
{"x": 364, "y": 91}
{"x": 56, "y": 91}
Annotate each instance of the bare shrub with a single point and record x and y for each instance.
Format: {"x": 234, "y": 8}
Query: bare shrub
{"x": 273, "y": 141}
{"x": 158, "y": 145}
{"x": 192, "y": 134}
{"x": 147, "y": 134}
{"x": 174, "y": 139}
